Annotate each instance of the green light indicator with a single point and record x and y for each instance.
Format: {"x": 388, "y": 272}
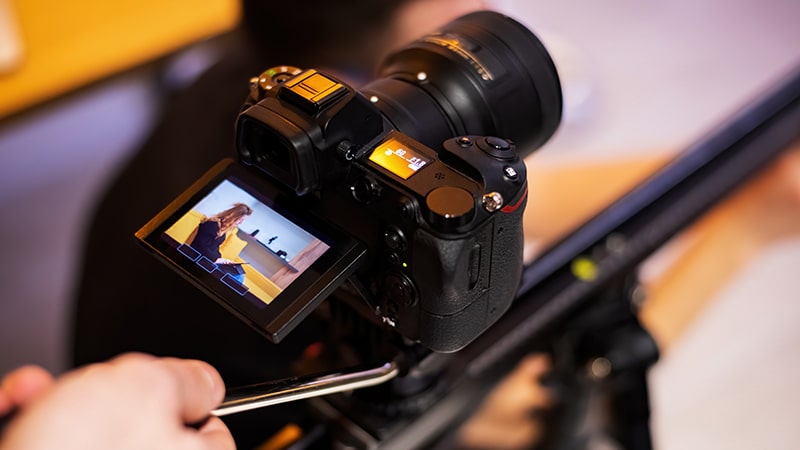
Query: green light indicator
{"x": 405, "y": 265}
{"x": 584, "y": 268}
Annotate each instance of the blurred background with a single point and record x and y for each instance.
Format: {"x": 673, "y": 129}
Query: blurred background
{"x": 81, "y": 85}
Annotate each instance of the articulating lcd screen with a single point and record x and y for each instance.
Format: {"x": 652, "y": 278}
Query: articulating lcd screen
{"x": 243, "y": 242}
{"x": 254, "y": 248}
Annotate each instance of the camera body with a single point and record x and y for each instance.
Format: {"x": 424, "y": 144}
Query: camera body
{"x": 443, "y": 228}
{"x": 410, "y": 189}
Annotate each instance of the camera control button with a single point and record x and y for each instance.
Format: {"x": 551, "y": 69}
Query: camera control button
{"x": 497, "y": 147}
{"x": 464, "y": 141}
{"x": 365, "y": 190}
{"x": 400, "y": 289}
{"x": 408, "y": 208}
{"x": 395, "y": 239}
{"x": 497, "y": 143}
{"x": 450, "y": 207}
{"x": 393, "y": 259}
{"x": 510, "y": 173}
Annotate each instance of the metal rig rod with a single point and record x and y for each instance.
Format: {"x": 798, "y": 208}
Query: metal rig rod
{"x": 256, "y": 396}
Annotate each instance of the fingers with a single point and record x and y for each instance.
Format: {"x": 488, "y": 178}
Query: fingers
{"x": 135, "y": 399}
{"x": 496, "y": 435}
{"x": 531, "y": 371}
{"x": 788, "y": 167}
{"x": 199, "y": 387}
{"x": 507, "y": 419}
{"x": 22, "y": 386}
{"x": 193, "y": 387}
{"x": 5, "y": 403}
{"x": 521, "y": 392}
{"x": 215, "y": 435}
{"x": 533, "y": 367}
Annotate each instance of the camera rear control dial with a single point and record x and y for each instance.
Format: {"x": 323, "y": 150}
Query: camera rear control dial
{"x": 395, "y": 239}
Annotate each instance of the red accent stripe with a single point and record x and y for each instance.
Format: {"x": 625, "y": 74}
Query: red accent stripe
{"x": 515, "y": 206}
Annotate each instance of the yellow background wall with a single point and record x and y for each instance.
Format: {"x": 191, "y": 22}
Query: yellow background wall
{"x": 66, "y": 45}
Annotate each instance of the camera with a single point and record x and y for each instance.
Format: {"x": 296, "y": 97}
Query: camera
{"x": 406, "y": 195}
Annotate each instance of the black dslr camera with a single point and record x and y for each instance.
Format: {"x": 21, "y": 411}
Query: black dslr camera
{"x": 411, "y": 188}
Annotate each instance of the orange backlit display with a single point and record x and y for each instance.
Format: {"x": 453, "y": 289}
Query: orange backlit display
{"x": 398, "y": 158}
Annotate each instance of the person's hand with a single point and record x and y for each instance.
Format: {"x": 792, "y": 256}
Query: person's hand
{"x": 134, "y": 401}
{"x": 509, "y": 417}
{"x": 21, "y": 387}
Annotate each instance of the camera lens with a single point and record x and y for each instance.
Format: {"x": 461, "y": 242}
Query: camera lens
{"x": 482, "y": 74}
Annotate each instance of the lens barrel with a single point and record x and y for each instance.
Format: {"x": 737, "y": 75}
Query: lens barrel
{"x": 481, "y": 74}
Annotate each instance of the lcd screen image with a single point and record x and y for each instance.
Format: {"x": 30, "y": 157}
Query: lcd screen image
{"x": 244, "y": 243}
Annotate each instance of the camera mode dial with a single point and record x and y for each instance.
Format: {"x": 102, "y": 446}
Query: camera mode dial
{"x": 274, "y": 76}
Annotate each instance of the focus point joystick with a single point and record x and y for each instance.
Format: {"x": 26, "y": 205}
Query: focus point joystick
{"x": 497, "y": 147}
